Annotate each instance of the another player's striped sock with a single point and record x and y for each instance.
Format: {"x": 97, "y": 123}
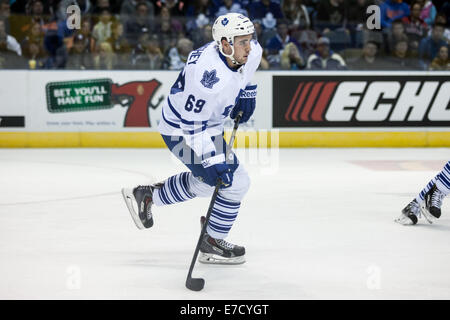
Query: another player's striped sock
{"x": 421, "y": 196}
{"x": 443, "y": 179}
{"x": 223, "y": 214}
{"x": 175, "y": 189}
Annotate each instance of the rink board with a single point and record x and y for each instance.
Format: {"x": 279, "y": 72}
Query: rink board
{"x": 294, "y": 109}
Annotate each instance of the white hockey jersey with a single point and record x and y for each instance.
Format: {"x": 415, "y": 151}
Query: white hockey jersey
{"x": 204, "y": 95}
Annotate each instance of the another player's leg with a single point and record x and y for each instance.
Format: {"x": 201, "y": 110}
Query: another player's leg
{"x": 433, "y": 198}
{"x": 429, "y": 201}
{"x": 410, "y": 214}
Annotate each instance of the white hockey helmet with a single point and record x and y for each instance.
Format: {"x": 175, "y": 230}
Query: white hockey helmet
{"x": 228, "y": 26}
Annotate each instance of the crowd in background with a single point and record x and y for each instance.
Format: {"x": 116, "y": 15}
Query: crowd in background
{"x": 159, "y": 34}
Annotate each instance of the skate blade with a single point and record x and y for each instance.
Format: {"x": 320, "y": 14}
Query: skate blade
{"x": 209, "y": 258}
{"x": 404, "y": 220}
{"x": 428, "y": 216}
{"x": 129, "y": 199}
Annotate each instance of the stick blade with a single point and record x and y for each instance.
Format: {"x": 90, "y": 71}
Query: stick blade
{"x": 195, "y": 284}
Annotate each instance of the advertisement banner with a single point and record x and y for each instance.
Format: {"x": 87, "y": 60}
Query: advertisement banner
{"x": 361, "y": 101}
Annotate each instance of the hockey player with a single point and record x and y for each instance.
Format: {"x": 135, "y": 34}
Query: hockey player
{"x": 429, "y": 201}
{"x": 214, "y": 84}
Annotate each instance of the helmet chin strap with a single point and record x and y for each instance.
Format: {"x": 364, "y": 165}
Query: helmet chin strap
{"x": 230, "y": 56}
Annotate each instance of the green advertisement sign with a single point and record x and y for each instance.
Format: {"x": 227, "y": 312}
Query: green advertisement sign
{"x": 80, "y": 95}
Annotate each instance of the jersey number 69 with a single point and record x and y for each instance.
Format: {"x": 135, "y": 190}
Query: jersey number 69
{"x": 192, "y": 104}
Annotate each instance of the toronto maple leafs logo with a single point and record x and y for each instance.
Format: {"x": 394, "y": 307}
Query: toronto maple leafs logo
{"x": 225, "y": 21}
{"x": 209, "y": 79}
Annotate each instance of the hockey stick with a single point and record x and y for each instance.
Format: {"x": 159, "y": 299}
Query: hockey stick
{"x": 197, "y": 284}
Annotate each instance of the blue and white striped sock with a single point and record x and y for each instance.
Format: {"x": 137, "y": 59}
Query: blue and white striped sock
{"x": 223, "y": 214}
{"x": 175, "y": 189}
{"x": 443, "y": 179}
{"x": 421, "y": 196}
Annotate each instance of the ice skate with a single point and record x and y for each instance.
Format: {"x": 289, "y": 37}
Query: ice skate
{"x": 219, "y": 251}
{"x": 139, "y": 202}
{"x": 431, "y": 207}
{"x": 410, "y": 214}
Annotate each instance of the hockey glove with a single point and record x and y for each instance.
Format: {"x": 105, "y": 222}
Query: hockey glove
{"x": 246, "y": 103}
{"x": 216, "y": 168}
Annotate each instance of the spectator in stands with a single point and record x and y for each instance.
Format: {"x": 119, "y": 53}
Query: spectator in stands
{"x": 10, "y": 50}
{"x": 203, "y": 36}
{"x": 441, "y": 62}
{"x": 324, "y": 58}
{"x": 34, "y": 56}
{"x": 392, "y": 10}
{"x": 230, "y": 6}
{"x": 194, "y": 26}
{"x": 308, "y": 40}
{"x": 102, "y": 30}
{"x": 148, "y": 54}
{"x": 442, "y": 19}
{"x": 167, "y": 36}
{"x": 331, "y": 15}
{"x": 205, "y": 7}
{"x": 264, "y": 65}
{"x": 21, "y": 24}
{"x": 269, "y": 30}
{"x": 429, "y": 46}
{"x": 277, "y": 43}
{"x": 5, "y": 14}
{"x": 138, "y": 24}
{"x": 120, "y": 45}
{"x": 175, "y": 24}
{"x": 105, "y": 58}
{"x": 296, "y": 13}
{"x": 79, "y": 57}
{"x": 428, "y": 12}
{"x": 37, "y": 13}
{"x": 176, "y": 7}
{"x": 100, "y": 6}
{"x": 35, "y": 35}
{"x": 57, "y": 54}
{"x": 396, "y": 32}
{"x": 154, "y": 53}
{"x": 177, "y": 56}
{"x": 86, "y": 32}
{"x": 415, "y": 28}
{"x": 258, "y": 10}
{"x": 139, "y": 52}
{"x": 400, "y": 60}
{"x": 368, "y": 60}
{"x": 281, "y": 39}
{"x": 128, "y": 10}
{"x": 291, "y": 58}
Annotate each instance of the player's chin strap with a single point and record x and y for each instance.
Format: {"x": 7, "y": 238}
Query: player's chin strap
{"x": 230, "y": 56}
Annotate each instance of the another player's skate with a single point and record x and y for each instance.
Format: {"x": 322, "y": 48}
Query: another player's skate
{"x": 139, "y": 202}
{"x": 431, "y": 207}
{"x": 410, "y": 214}
{"x": 219, "y": 251}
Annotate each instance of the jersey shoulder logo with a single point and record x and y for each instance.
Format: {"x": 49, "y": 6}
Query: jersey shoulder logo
{"x": 209, "y": 79}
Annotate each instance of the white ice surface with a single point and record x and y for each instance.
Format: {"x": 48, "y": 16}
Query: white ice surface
{"x": 316, "y": 226}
